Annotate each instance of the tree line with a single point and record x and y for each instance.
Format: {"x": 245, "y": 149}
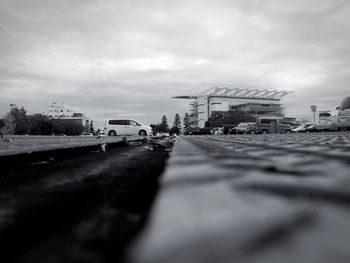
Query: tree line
{"x": 217, "y": 119}
{"x": 227, "y": 118}
{"x": 18, "y": 122}
{"x": 176, "y": 128}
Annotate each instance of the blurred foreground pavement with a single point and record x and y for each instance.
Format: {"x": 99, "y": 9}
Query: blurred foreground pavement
{"x": 262, "y": 198}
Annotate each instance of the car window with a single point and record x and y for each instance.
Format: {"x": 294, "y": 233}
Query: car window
{"x": 345, "y": 104}
{"x": 119, "y": 122}
{"x": 265, "y": 121}
{"x": 115, "y": 122}
{"x": 134, "y": 123}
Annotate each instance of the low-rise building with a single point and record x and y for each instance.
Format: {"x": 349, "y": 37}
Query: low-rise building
{"x": 66, "y": 112}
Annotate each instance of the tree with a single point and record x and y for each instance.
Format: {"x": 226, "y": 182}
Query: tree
{"x": 67, "y": 127}
{"x": 87, "y": 126}
{"x": 2, "y": 124}
{"x": 40, "y": 125}
{"x": 164, "y": 127}
{"x": 92, "y": 129}
{"x": 155, "y": 128}
{"x": 234, "y": 117}
{"x": 177, "y": 125}
{"x": 16, "y": 121}
{"x": 187, "y": 124}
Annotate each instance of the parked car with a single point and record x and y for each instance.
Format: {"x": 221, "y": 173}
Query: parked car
{"x": 162, "y": 134}
{"x": 245, "y": 127}
{"x": 87, "y": 134}
{"x": 232, "y": 130}
{"x": 343, "y": 118}
{"x": 325, "y": 117}
{"x": 271, "y": 124}
{"x": 200, "y": 131}
{"x": 217, "y": 131}
{"x": 123, "y": 126}
{"x": 303, "y": 127}
{"x": 313, "y": 128}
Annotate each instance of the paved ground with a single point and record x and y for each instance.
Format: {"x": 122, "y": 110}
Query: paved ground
{"x": 252, "y": 198}
{"x": 249, "y": 198}
{"x": 21, "y": 144}
{"x": 80, "y": 206}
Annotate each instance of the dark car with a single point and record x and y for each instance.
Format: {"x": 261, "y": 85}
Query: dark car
{"x": 230, "y": 129}
{"x": 303, "y": 127}
{"x": 312, "y": 128}
{"x": 200, "y": 131}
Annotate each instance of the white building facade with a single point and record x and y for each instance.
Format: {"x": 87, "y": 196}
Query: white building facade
{"x": 60, "y": 110}
{"x": 255, "y": 101}
{"x": 66, "y": 111}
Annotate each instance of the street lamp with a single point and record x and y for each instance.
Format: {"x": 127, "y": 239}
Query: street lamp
{"x": 313, "y": 109}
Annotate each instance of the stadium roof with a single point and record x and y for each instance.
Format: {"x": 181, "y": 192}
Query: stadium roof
{"x": 239, "y": 92}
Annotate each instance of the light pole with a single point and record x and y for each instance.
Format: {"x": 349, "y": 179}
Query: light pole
{"x": 313, "y": 109}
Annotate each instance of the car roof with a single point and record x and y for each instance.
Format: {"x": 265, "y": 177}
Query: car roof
{"x": 122, "y": 119}
{"x": 270, "y": 117}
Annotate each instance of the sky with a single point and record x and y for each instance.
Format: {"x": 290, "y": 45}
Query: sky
{"x": 111, "y": 58}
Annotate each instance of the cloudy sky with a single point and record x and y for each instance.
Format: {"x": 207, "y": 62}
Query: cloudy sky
{"x": 129, "y": 57}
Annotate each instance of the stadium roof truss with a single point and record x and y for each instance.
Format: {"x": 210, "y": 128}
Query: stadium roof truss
{"x": 245, "y": 92}
{"x": 240, "y": 92}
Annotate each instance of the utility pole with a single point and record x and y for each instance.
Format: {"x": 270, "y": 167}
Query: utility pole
{"x": 313, "y": 109}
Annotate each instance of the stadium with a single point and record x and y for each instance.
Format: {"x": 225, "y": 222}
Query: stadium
{"x": 258, "y": 102}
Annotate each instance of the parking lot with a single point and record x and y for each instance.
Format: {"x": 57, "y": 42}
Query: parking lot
{"x": 224, "y": 198}
{"x": 252, "y": 198}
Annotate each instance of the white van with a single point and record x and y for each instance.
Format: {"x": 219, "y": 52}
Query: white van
{"x": 325, "y": 117}
{"x": 270, "y": 124}
{"x": 343, "y": 118}
{"x": 123, "y": 126}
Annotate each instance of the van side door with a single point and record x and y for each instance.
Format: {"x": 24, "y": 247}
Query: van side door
{"x": 127, "y": 129}
{"x": 134, "y": 127}
{"x": 344, "y": 114}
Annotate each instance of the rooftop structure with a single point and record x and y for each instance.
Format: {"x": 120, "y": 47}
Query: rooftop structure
{"x": 251, "y": 99}
{"x": 239, "y": 92}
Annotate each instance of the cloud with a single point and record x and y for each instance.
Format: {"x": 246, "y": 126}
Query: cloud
{"x": 130, "y": 57}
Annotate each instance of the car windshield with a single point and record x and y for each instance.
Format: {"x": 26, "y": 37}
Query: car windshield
{"x": 345, "y": 104}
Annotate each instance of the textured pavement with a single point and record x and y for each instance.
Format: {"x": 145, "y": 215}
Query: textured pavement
{"x": 252, "y": 198}
{"x": 76, "y": 206}
{"x": 21, "y": 144}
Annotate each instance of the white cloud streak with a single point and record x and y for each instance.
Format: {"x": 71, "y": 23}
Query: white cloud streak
{"x": 130, "y": 57}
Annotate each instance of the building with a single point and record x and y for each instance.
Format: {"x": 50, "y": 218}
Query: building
{"x": 66, "y": 112}
{"x": 258, "y": 102}
{"x": 60, "y": 110}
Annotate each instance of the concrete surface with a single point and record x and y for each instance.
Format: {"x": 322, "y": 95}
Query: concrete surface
{"x": 77, "y": 207}
{"x": 21, "y": 144}
{"x": 252, "y": 198}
